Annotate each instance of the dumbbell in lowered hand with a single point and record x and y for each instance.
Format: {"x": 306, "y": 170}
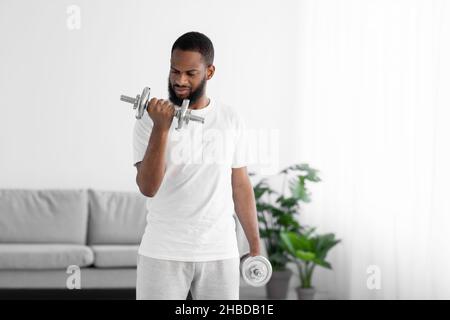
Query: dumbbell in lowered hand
{"x": 256, "y": 271}
{"x": 182, "y": 113}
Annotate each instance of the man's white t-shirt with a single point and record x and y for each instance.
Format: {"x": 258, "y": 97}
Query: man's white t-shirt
{"x": 190, "y": 218}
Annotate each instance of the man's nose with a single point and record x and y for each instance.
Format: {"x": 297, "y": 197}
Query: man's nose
{"x": 181, "y": 80}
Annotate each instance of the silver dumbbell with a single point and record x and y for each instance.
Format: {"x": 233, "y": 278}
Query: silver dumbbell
{"x": 256, "y": 271}
{"x": 183, "y": 114}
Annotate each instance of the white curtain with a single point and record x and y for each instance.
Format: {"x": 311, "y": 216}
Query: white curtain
{"x": 373, "y": 116}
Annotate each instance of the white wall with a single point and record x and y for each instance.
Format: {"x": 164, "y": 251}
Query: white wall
{"x": 62, "y": 124}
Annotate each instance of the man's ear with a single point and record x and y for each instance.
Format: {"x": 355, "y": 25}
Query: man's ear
{"x": 210, "y": 72}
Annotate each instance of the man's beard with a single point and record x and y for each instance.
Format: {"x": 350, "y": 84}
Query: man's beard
{"x": 193, "y": 97}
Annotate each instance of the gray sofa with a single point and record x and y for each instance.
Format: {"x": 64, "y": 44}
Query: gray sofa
{"x": 43, "y": 232}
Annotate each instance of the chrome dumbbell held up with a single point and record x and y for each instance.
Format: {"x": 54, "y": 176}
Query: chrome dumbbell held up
{"x": 182, "y": 113}
{"x": 256, "y": 271}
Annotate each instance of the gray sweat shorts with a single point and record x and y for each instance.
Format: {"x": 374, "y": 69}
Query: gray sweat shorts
{"x": 171, "y": 280}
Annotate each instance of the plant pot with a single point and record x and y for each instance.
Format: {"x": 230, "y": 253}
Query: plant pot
{"x": 278, "y": 285}
{"x": 305, "y": 293}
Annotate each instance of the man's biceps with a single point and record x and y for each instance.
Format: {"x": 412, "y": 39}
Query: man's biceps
{"x": 239, "y": 177}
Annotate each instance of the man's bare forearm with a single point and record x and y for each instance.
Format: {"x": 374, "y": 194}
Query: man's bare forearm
{"x": 152, "y": 168}
{"x": 245, "y": 208}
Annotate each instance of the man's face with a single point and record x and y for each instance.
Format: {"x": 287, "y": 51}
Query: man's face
{"x": 188, "y": 76}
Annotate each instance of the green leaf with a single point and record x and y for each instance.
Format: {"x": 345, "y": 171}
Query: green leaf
{"x": 308, "y": 172}
{"x": 305, "y": 255}
{"x": 276, "y": 212}
{"x": 298, "y": 242}
{"x": 323, "y": 244}
{"x": 307, "y": 232}
{"x": 262, "y": 206}
{"x": 278, "y": 260}
{"x": 298, "y": 190}
{"x": 286, "y": 220}
{"x": 266, "y": 233}
{"x": 287, "y": 202}
{"x": 286, "y": 241}
{"x": 322, "y": 263}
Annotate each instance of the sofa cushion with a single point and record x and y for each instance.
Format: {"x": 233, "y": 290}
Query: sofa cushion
{"x": 108, "y": 256}
{"x": 91, "y": 278}
{"x": 116, "y": 217}
{"x": 44, "y": 256}
{"x": 43, "y": 216}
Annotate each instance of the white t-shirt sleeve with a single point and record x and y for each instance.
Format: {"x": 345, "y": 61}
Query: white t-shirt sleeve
{"x": 141, "y": 136}
{"x": 241, "y": 144}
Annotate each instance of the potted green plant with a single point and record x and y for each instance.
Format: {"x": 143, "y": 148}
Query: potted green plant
{"x": 278, "y": 213}
{"x": 308, "y": 250}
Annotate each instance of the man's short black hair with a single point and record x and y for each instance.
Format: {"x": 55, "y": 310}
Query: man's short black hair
{"x": 196, "y": 41}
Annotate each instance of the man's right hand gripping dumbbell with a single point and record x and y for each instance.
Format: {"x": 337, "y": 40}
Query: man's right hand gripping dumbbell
{"x": 161, "y": 112}
{"x": 143, "y": 102}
